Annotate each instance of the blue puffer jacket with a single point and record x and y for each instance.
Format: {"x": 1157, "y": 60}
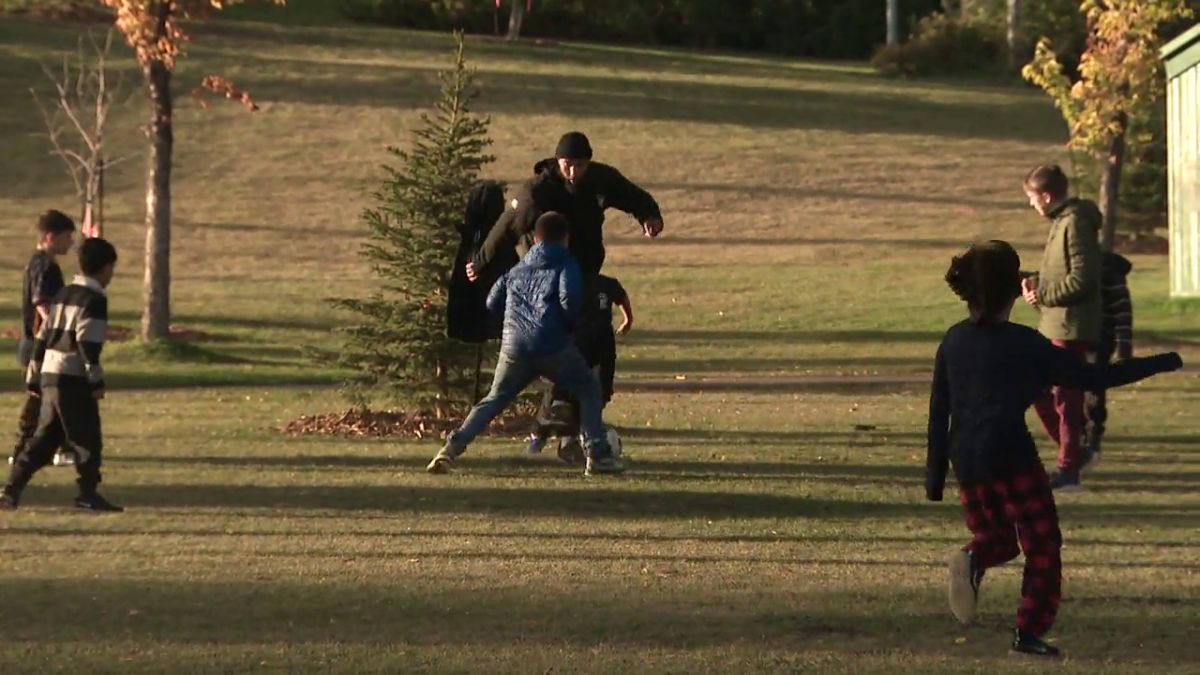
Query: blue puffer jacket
{"x": 541, "y": 299}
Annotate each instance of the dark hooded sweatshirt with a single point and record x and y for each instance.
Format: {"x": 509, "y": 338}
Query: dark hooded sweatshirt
{"x": 602, "y": 187}
{"x": 985, "y": 377}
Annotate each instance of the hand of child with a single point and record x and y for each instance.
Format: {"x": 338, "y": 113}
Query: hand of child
{"x": 1029, "y": 291}
{"x": 98, "y": 394}
{"x": 626, "y": 326}
{"x": 472, "y": 275}
{"x": 34, "y": 390}
{"x": 653, "y": 227}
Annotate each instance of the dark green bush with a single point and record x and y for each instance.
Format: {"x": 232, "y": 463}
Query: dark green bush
{"x": 943, "y": 46}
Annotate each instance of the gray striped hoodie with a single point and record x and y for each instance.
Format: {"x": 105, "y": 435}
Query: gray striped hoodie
{"x": 67, "y": 349}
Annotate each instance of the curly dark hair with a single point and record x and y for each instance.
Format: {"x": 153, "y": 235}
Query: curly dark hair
{"x": 987, "y": 277}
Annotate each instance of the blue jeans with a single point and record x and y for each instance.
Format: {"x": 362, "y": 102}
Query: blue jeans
{"x": 513, "y": 373}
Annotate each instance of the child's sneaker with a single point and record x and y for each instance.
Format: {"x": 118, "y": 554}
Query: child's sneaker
{"x": 1091, "y": 459}
{"x": 965, "y": 577}
{"x": 1065, "y": 481}
{"x": 9, "y": 500}
{"x": 1025, "y": 644}
{"x": 94, "y": 502}
{"x": 66, "y": 458}
{"x": 605, "y": 465}
{"x": 443, "y": 462}
{"x": 535, "y": 444}
{"x": 570, "y": 450}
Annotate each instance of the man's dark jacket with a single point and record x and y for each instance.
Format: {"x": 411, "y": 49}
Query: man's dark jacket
{"x": 602, "y": 187}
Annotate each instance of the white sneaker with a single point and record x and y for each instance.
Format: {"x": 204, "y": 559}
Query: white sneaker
{"x": 65, "y": 458}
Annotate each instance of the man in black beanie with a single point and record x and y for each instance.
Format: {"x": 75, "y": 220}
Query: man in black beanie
{"x": 572, "y": 184}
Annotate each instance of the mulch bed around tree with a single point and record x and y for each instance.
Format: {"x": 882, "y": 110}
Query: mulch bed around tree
{"x": 365, "y": 423}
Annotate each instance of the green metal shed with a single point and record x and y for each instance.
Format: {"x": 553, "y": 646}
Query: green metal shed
{"x": 1182, "y": 57}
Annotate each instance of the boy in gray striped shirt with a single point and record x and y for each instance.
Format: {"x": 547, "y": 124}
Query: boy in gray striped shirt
{"x": 65, "y": 373}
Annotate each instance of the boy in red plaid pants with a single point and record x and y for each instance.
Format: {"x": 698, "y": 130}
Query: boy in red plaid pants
{"x": 987, "y": 374}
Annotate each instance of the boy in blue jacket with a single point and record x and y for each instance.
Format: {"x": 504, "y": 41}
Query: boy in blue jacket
{"x": 541, "y": 299}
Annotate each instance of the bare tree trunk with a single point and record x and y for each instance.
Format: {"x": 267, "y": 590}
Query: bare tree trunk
{"x": 893, "y": 22}
{"x": 515, "y": 19}
{"x": 156, "y": 286}
{"x": 1014, "y": 34}
{"x": 1110, "y": 186}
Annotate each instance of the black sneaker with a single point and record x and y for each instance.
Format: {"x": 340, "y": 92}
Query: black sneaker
{"x": 9, "y": 500}
{"x": 1025, "y": 644}
{"x": 570, "y": 450}
{"x": 965, "y": 578}
{"x": 95, "y": 503}
{"x": 1065, "y": 481}
{"x": 1091, "y": 460}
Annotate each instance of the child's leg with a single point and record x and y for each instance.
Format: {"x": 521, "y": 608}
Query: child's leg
{"x": 1069, "y": 405}
{"x": 994, "y": 537}
{"x": 1030, "y": 504}
{"x": 38, "y": 452}
{"x": 569, "y": 370}
{"x": 1047, "y": 412}
{"x": 80, "y": 414}
{"x": 27, "y": 423}
{"x": 512, "y": 376}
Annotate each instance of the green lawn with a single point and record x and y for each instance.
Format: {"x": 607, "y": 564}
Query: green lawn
{"x": 811, "y": 209}
{"x": 757, "y": 532}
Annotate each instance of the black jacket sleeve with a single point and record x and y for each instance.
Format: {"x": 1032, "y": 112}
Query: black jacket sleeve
{"x": 937, "y": 458}
{"x": 1069, "y": 370}
{"x": 517, "y": 221}
{"x": 621, "y": 193}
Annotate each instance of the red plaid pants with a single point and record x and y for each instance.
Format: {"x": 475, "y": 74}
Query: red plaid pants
{"x": 1016, "y": 514}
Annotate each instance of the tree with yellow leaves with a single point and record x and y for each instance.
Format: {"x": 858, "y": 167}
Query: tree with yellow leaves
{"x": 153, "y": 29}
{"x": 1120, "y": 78}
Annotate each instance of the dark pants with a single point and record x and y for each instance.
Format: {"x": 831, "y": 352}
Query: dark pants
{"x": 513, "y": 374}
{"x": 1062, "y": 413}
{"x": 1016, "y": 514}
{"x": 27, "y": 423}
{"x": 600, "y": 354}
{"x": 1095, "y": 407}
{"x": 70, "y": 415}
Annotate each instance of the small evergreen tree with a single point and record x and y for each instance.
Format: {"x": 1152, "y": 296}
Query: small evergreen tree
{"x": 399, "y": 346}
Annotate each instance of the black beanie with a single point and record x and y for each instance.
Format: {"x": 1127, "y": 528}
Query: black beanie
{"x": 573, "y": 145}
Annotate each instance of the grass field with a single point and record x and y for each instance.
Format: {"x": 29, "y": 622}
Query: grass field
{"x": 811, "y": 209}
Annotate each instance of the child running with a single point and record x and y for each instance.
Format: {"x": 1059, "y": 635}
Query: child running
{"x": 988, "y": 372}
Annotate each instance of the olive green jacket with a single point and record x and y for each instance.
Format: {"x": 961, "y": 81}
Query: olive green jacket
{"x": 1068, "y": 283}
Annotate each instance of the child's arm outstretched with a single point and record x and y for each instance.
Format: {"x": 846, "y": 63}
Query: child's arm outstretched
{"x": 937, "y": 458}
{"x": 1069, "y": 370}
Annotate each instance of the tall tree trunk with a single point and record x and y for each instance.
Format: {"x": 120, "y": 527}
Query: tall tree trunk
{"x": 893, "y": 22}
{"x": 515, "y": 19}
{"x": 1110, "y": 185}
{"x": 1014, "y": 34}
{"x": 156, "y": 286}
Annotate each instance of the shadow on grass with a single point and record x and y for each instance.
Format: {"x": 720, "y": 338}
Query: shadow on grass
{"x": 531, "y": 535}
{"x": 410, "y": 611}
{"x": 591, "y": 500}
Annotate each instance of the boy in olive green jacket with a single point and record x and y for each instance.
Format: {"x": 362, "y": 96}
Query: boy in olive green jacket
{"x": 1066, "y": 291}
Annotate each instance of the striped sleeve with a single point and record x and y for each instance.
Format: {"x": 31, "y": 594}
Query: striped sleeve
{"x": 90, "y": 331}
{"x": 1118, "y": 308}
